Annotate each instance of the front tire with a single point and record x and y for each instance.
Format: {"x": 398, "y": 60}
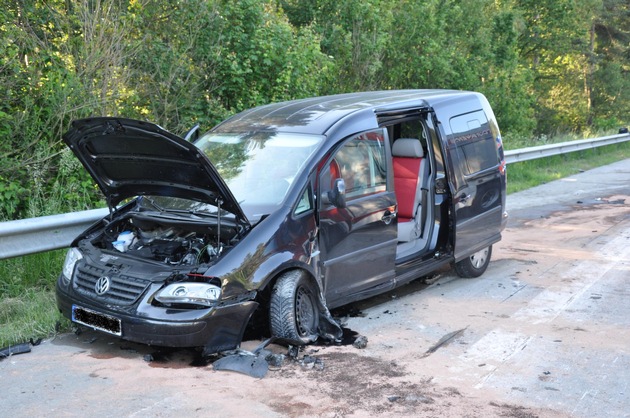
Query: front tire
{"x": 474, "y": 265}
{"x": 293, "y": 309}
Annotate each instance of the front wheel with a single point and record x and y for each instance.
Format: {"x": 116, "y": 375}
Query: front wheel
{"x": 293, "y": 309}
{"x": 475, "y": 265}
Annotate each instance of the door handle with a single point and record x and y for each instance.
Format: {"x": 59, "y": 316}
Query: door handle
{"x": 388, "y": 216}
{"x": 463, "y": 198}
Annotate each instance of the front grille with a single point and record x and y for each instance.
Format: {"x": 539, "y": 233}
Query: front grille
{"x": 123, "y": 289}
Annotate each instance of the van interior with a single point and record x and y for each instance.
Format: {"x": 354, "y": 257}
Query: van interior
{"x": 413, "y": 180}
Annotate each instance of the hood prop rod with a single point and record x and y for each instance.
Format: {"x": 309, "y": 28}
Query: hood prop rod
{"x": 110, "y": 206}
{"x": 219, "y": 248}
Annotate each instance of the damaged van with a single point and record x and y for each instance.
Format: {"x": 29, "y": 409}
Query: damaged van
{"x": 281, "y": 213}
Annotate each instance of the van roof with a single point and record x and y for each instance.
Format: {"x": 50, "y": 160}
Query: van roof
{"x": 317, "y": 115}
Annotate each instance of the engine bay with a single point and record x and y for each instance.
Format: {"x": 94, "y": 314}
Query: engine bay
{"x": 172, "y": 239}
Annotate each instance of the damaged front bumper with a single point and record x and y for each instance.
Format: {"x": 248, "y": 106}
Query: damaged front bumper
{"x": 216, "y": 329}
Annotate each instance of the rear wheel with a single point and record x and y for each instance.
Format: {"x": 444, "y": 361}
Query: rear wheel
{"x": 293, "y": 309}
{"x": 475, "y": 265}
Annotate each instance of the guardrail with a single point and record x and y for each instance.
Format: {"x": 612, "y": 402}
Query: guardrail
{"x": 542, "y": 151}
{"x": 30, "y": 236}
{"x": 34, "y": 235}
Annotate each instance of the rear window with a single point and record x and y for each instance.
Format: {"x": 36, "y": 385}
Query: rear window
{"x": 475, "y": 144}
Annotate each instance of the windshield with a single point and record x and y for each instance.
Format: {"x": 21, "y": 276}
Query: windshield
{"x": 258, "y": 167}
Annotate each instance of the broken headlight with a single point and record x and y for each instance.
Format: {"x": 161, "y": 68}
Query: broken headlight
{"x": 189, "y": 293}
{"x": 72, "y": 256}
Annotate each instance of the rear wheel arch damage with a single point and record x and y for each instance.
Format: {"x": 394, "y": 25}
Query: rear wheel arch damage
{"x": 297, "y": 309}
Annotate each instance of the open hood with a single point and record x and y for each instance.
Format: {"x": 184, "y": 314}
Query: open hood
{"x": 130, "y": 158}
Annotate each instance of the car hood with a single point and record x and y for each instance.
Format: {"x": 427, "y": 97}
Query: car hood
{"x": 130, "y": 158}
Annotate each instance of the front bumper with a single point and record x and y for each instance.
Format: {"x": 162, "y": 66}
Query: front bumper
{"x": 216, "y": 329}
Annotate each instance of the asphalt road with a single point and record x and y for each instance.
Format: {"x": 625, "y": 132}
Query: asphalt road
{"x": 545, "y": 332}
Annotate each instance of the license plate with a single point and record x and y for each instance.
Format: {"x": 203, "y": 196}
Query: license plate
{"x": 96, "y": 320}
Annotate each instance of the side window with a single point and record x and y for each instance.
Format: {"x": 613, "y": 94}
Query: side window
{"x": 474, "y": 141}
{"x": 413, "y": 129}
{"x": 305, "y": 203}
{"x": 361, "y": 164}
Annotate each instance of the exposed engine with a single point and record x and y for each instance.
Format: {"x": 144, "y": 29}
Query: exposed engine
{"x": 166, "y": 239}
{"x": 169, "y": 245}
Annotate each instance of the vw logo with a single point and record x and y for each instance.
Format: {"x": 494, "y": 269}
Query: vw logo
{"x": 102, "y": 285}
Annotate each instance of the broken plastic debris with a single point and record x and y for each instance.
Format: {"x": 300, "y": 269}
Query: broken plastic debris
{"x": 310, "y": 362}
{"x": 15, "y": 349}
{"x": 360, "y": 342}
{"x": 256, "y": 363}
{"x": 329, "y": 329}
{"x": 243, "y": 362}
{"x": 275, "y": 360}
{"x": 19, "y": 348}
{"x": 253, "y": 363}
{"x": 445, "y": 340}
{"x": 293, "y": 352}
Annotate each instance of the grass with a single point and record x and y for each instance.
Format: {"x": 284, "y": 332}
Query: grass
{"x": 27, "y": 297}
{"x": 27, "y": 302}
{"x": 528, "y": 174}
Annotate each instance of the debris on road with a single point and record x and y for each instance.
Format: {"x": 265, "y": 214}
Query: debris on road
{"x": 444, "y": 341}
{"x": 15, "y": 349}
{"x": 244, "y": 362}
{"x": 18, "y": 348}
{"x": 256, "y": 363}
{"x": 360, "y": 342}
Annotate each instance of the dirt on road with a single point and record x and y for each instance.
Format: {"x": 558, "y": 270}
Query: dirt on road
{"x": 544, "y": 332}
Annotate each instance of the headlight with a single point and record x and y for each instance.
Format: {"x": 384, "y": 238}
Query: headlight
{"x": 203, "y": 294}
{"x": 72, "y": 256}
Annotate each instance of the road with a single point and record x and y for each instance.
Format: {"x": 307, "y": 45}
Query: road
{"x": 545, "y": 332}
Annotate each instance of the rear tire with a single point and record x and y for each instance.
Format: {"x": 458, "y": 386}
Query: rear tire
{"x": 474, "y": 265}
{"x": 293, "y": 309}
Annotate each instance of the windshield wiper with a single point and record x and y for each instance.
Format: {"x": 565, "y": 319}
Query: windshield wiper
{"x": 152, "y": 202}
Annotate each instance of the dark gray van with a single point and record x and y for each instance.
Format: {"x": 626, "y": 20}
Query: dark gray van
{"x": 281, "y": 213}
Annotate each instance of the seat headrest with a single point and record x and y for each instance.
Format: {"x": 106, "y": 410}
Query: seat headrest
{"x": 407, "y": 147}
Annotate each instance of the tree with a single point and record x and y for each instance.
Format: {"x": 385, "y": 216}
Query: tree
{"x": 354, "y": 35}
{"x": 610, "y": 65}
{"x": 554, "y": 45}
{"x": 41, "y": 91}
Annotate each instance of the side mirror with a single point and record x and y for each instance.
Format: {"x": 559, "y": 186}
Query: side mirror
{"x": 337, "y": 196}
{"x": 192, "y": 134}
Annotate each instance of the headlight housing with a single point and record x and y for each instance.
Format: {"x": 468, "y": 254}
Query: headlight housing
{"x": 72, "y": 257}
{"x": 189, "y": 293}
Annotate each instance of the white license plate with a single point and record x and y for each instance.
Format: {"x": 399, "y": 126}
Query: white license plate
{"x": 96, "y": 320}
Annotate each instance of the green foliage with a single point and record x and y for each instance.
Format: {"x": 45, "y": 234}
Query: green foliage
{"x": 264, "y": 58}
{"x": 12, "y": 194}
{"x": 560, "y": 42}
{"x": 610, "y": 64}
{"x": 41, "y": 91}
{"x": 28, "y": 308}
{"x": 546, "y": 66}
{"x": 232, "y": 56}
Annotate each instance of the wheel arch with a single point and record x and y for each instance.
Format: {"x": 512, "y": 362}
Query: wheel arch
{"x": 260, "y": 318}
{"x": 263, "y": 295}
{"x": 328, "y": 328}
